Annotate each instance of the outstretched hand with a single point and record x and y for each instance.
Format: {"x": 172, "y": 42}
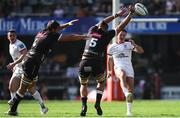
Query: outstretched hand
{"x": 131, "y": 8}
{"x": 72, "y": 21}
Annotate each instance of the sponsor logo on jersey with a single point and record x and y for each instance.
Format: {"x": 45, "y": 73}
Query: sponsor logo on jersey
{"x": 121, "y": 55}
{"x": 94, "y": 34}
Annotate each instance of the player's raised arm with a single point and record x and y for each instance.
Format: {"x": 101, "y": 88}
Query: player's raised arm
{"x": 108, "y": 19}
{"x": 62, "y": 26}
{"x": 73, "y": 37}
{"x": 126, "y": 20}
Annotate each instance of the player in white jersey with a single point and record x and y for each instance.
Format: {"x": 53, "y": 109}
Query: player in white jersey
{"x": 18, "y": 50}
{"x": 120, "y": 54}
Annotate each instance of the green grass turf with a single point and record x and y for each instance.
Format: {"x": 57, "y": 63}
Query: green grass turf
{"x": 141, "y": 108}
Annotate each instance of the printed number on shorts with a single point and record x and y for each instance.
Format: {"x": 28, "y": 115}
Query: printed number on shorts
{"x": 93, "y": 42}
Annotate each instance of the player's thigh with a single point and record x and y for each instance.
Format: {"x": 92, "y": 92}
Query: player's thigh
{"x": 129, "y": 71}
{"x": 14, "y": 82}
{"x": 85, "y": 69}
{"x": 99, "y": 71}
{"x": 32, "y": 87}
{"x": 31, "y": 69}
{"x": 121, "y": 75}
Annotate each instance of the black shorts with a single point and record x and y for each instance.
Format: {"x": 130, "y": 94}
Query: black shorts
{"x": 91, "y": 67}
{"x": 30, "y": 68}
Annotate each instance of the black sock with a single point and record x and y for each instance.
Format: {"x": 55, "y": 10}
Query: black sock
{"x": 98, "y": 99}
{"x": 84, "y": 101}
{"x": 16, "y": 101}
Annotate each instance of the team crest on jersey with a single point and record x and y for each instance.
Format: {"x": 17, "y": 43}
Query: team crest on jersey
{"x": 125, "y": 46}
{"x": 21, "y": 46}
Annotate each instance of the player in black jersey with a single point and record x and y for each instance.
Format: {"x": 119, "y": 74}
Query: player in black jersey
{"x": 42, "y": 45}
{"x": 93, "y": 59}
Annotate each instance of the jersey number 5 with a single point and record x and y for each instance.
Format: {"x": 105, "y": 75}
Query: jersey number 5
{"x": 93, "y": 42}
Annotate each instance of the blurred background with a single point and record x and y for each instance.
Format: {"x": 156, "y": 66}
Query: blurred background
{"x": 157, "y": 71}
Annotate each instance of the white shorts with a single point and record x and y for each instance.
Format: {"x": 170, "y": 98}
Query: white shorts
{"x": 17, "y": 72}
{"x": 128, "y": 70}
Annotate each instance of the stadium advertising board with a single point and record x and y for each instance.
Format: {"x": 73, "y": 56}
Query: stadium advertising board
{"x": 153, "y": 27}
{"x": 30, "y": 25}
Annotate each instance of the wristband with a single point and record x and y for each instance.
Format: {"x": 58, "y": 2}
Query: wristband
{"x": 116, "y": 15}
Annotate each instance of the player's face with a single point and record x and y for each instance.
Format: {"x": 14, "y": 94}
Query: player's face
{"x": 121, "y": 36}
{"x": 11, "y": 36}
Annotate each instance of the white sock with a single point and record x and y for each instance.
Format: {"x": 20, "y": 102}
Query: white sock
{"x": 125, "y": 91}
{"x": 38, "y": 97}
{"x": 13, "y": 94}
{"x": 20, "y": 94}
{"x": 129, "y": 107}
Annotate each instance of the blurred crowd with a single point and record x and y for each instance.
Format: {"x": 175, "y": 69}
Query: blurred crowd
{"x": 69, "y": 8}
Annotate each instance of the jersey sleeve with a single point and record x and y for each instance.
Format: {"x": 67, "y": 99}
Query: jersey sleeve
{"x": 21, "y": 46}
{"x": 110, "y": 50}
{"x": 131, "y": 47}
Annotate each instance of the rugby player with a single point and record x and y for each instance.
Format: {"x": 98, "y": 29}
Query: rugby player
{"x": 18, "y": 50}
{"x": 93, "y": 59}
{"x": 42, "y": 45}
{"x": 120, "y": 54}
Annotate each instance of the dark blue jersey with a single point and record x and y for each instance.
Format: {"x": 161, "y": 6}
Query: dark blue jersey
{"x": 43, "y": 44}
{"x": 96, "y": 46}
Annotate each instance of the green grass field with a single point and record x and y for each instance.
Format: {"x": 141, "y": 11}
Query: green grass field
{"x": 141, "y": 108}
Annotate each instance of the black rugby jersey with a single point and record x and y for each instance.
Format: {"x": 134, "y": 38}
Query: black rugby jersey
{"x": 43, "y": 44}
{"x": 96, "y": 46}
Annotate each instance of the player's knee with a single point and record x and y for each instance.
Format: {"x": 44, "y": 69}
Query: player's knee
{"x": 26, "y": 80}
{"x": 83, "y": 80}
{"x": 101, "y": 85}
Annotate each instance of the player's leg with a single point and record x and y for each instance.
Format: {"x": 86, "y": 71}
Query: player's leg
{"x": 84, "y": 74}
{"x": 99, "y": 92}
{"x": 121, "y": 74}
{"x": 83, "y": 93}
{"x": 19, "y": 95}
{"x": 36, "y": 95}
{"x": 30, "y": 71}
{"x": 130, "y": 84}
{"x": 14, "y": 85}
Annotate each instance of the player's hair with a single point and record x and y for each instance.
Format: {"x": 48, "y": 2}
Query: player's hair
{"x": 53, "y": 24}
{"x": 12, "y": 31}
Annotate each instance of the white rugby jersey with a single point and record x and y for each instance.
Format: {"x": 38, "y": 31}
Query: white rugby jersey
{"x": 15, "y": 50}
{"x": 121, "y": 53}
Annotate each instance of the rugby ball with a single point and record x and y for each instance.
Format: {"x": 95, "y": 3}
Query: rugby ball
{"x": 140, "y": 9}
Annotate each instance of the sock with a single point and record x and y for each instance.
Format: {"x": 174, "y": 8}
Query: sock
{"x": 38, "y": 97}
{"x": 129, "y": 106}
{"x": 84, "y": 101}
{"x": 18, "y": 97}
{"x": 98, "y": 97}
{"x": 12, "y": 94}
{"x": 125, "y": 91}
